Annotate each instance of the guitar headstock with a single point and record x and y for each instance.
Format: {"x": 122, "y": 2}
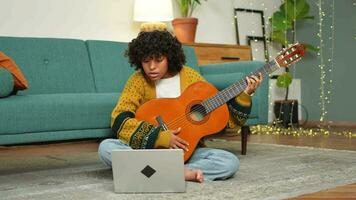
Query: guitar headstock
{"x": 290, "y": 55}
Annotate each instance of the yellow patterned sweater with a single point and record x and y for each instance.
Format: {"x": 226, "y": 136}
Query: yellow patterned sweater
{"x": 141, "y": 134}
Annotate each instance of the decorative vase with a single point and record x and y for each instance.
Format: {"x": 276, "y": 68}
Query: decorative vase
{"x": 185, "y": 29}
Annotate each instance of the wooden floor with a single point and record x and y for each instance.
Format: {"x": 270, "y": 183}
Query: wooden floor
{"x": 331, "y": 141}
{"x": 342, "y": 192}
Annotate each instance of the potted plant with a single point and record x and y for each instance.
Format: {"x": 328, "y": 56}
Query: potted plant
{"x": 283, "y": 27}
{"x": 185, "y": 27}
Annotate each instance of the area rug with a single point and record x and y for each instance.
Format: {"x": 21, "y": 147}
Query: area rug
{"x": 266, "y": 172}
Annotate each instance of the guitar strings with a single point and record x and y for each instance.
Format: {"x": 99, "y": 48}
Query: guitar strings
{"x": 179, "y": 119}
{"x": 266, "y": 69}
{"x": 199, "y": 110}
{"x": 223, "y": 93}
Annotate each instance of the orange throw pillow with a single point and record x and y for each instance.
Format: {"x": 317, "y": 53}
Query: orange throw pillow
{"x": 20, "y": 83}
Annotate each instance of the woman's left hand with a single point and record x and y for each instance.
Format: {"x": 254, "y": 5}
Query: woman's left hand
{"x": 252, "y": 83}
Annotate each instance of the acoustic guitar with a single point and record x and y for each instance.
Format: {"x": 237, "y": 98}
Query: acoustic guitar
{"x": 201, "y": 109}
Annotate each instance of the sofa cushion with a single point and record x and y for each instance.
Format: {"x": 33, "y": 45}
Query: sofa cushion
{"x": 111, "y": 68}
{"x": 20, "y": 82}
{"x": 51, "y": 65}
{"x": 56, "y": 112}
{"x": 6, "y": 82}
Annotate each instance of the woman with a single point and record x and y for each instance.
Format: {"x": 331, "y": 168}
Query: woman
{"x": 159, "y": 61}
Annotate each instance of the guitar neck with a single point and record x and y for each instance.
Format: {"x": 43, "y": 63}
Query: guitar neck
{"x": 233, "y": 90}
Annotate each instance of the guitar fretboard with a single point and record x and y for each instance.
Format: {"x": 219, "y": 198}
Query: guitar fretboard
{"x": 233, "y": 90}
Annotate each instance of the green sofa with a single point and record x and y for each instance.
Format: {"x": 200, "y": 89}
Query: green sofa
{"x": 75, "y": 84}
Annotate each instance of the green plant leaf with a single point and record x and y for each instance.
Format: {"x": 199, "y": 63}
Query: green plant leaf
{"x": 302, "y": 9}
{"x": 286, "y": 8}
{"x": 284, "y": 80}
{"x": 187, "y": 7}
{"x": 183, "y": 7}
{"x": 295, "y": 9}
{"x": 279, "y": 22}
{"x": 280, "y": 37}
{"x": 310, "y": 47}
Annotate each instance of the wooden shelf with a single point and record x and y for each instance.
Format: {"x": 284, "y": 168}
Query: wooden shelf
{"x": 220, "y": 53}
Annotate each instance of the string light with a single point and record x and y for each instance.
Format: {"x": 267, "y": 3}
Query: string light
{"x": 354, "y": 4}
{"x": 331, "y": 60}
{"x": 268, "y": 56}
{"x": 298, "y": 132}
{"x": 326, "y": 64}
{"x": 321, "y": 65}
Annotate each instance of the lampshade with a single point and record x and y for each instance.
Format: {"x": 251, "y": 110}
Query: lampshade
{"x": 153, "y": 10}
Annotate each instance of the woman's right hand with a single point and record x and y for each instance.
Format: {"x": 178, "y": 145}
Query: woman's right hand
{"x": 177, "y": 142}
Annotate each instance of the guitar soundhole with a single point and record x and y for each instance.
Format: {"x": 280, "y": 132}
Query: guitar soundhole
{"x": 197, "y": 113}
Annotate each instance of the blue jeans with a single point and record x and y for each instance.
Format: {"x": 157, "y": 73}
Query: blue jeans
{"x": 216, "y": 164}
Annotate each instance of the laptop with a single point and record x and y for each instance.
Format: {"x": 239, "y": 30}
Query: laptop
{"x": 148, "y": 170}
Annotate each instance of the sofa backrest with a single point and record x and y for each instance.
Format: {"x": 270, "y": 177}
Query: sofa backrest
{"x": 112, "y": 69}
{"x": 51, "y": 65}
{"x": 191, "y": 58}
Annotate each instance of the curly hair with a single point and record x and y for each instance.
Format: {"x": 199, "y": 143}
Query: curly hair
{"x": 153, "y": 45}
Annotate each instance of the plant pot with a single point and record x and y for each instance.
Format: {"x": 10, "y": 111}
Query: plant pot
{"x": 185, "y": 29}
{"x": 286, "y": 112}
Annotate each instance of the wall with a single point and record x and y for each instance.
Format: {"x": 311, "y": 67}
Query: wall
{"x": 108, "y": 19}
{"x": 217, "y": 22}
{"x": 342, "y": 97}
{"x": 82, "y": 19}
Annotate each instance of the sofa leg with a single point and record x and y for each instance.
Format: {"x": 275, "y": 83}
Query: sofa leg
{"x": 245, "y": 131}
